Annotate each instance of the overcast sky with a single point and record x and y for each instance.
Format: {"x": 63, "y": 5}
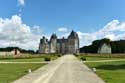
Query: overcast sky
{"x": 24, "y": 22}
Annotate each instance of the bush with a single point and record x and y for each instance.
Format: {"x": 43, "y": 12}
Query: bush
{"x": 83, "y": 58}
{"x": 59, "y": 55}
{"x": 76, "y": 54}
{"x": 47, "y": 59}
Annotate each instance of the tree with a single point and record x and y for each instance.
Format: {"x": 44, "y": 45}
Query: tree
{"x": 95, "y": 45}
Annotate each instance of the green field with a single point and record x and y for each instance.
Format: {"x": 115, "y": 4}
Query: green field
{"x": 11, "y": 72}
{"x": 96, "y": 57}
{"x": 110, "y": 72}
{"x": 23, "y": 60}
{"x": 100, "y": 58}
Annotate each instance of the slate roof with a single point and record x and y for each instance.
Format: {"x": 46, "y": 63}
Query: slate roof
{"x": 73, "y": 35}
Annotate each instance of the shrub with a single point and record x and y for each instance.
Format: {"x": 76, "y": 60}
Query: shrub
{"x": 83, "y": 58}
{"x": 59, "y": 55}
{"x": 76, "y": 54}
{"x": 47, "y": 59}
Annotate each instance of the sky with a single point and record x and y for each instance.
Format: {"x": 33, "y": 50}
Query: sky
{"x": 24, "y": 22}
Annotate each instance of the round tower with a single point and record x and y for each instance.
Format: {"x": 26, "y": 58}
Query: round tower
{"x": 53, "y": 41}
{"x": 43, "y": 46}
{"x": 73, "y": 42}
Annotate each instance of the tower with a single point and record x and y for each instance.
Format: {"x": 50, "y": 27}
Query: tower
{"x": 43, "y": 46}
{"x": 73, "y": 42}
{"x": 52, "y": 43}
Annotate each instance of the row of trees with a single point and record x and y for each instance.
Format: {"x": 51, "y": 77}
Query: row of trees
{"x": 21, "y": 50}
{"x": 117, "y": 46}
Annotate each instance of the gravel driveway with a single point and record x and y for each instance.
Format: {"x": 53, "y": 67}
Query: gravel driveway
{"x": 67, "y": 69}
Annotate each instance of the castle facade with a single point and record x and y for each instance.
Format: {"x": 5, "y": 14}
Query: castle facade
{"x": 68, "y": 45}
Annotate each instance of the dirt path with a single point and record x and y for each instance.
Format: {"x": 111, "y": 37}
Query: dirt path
{"x": 67, "y": 69}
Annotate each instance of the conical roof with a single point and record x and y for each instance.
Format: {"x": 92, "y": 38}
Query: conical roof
{"x": 43, "y": 40}
{"x": 73, "y": 35}
{"x": 53, "y": 36}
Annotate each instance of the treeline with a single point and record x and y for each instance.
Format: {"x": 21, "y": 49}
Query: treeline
{"x": 8, "y": 49}
{"x": 116, "y": 46}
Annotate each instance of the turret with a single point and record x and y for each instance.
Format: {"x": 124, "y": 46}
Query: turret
{"x": 53, "y": 41}
{"x": 43, "y": 46}
{"x": 73, "y": 42}
{"x": 53, "y": 36}
{"x": 73, "y": 35}
{"x": 43, "y": 40}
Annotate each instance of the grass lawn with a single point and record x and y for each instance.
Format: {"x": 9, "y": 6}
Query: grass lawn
{"x": 110, "y": 72}
{"x": 96, "y": 57}
{"x": 100, "y": 58}
{"x": 24, "y": 60}
{"x": 11, "y": 72}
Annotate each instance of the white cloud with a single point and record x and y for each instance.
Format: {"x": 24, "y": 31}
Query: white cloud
{"x": 86, "y": 38}
{"x": 111, "y": 36}
{"x": 111, "y": 27}
{"x": 62, "y": 29}
{"x": 13, "y": 32}
{"x": 113, "y": 30}
{"x": 37, "y": 29}
{"x": 21, "y": 2}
